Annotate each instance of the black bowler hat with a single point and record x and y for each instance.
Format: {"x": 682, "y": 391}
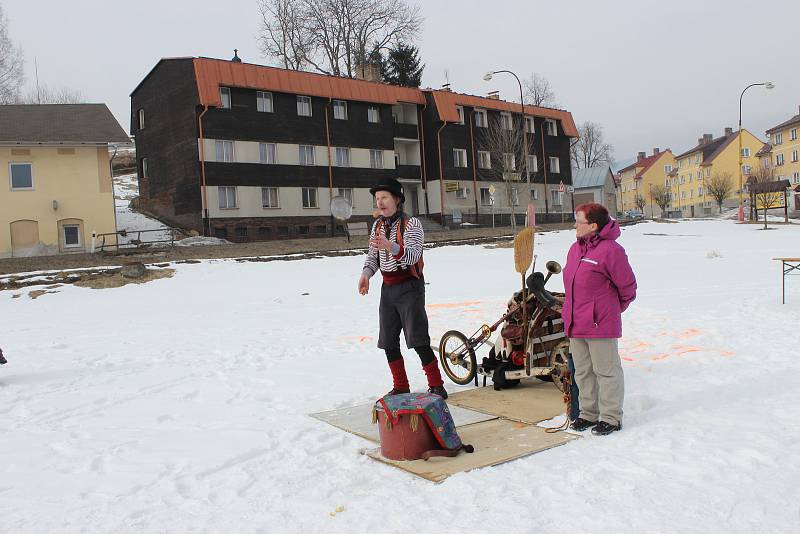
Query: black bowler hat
{"x": 391, "y": 185}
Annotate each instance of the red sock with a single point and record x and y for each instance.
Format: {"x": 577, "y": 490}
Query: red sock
{"x": 399, "y": 378}
{"x": 433, "y": 374}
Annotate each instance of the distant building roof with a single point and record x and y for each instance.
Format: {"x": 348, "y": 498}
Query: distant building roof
{"x": 86, "y": 124}
{"x": 764, "y": 150}
{"x": 591, "y": 177}
{"x": 711, "y": 148}
{"x": 785, "y": 124}
{"x": 644, "y": 163}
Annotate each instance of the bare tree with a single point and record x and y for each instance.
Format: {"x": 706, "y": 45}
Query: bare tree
{"x": 591, "y": 149}
{"x": 760, "y": 184}
{"x": 11, "y": 65}
{"x": 661, "y": 196}
{"x": 508, "y": 162}
{"x": 640, "y": 202}
{"x": 53, "y": 95}
{"x": 719, "y": 187}
{"x": 538, "y": 91}
{"x": 334, "y": 36}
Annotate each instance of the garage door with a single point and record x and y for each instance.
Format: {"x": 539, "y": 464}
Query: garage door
{"x": 24, "y": 237}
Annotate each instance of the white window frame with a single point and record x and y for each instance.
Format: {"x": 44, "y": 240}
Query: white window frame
{"x": 77, "y": 227}
{"x": 667, "y": 169}
{"x": 460, "y": 110}
{"x": 342, "y": 156}
{"x": 348, "y": 193}
{"x": 11, "y": 176}
{"x": 513, "y": 165}
{"x": 793, "y": 134}
{"x": 225, "y": 97}
{"x": 530, "y": 125}
{"x": 145, "y": 170}
{"x": 266, "y": 202}
{"x": 746, "y": 169}
{"x": 376, "y": 159}
{"x": 307, "y": 200}
{"x": 224, "y": 192}
{"x": 484, "y": 159}
{"x": 514, "y": 198}
{"x": 534, "y": 194}
{"x": 264, "y": 102}
{"x": 745, "y": 152}
{"x": 304, "y": 108}
{"x": 555, "y": 164}
{"x": 225, "y": 151}
{"x": 459, "y": 157}
{"x": 796, "y": 177}
{"x": 557, "y": 197}
{"x": 533, "y": 163}
{"x": 486, "y": 197}
{"x": 481, "y": 120}
{"x": 506, "y": 121}
{"x": 779, "y": 160}
{"x": 461, "y": 193}
{"x": 268, "y": 153}
{"x": 794, "y": 156}
{"x": 141, "y": 118}
{"x": 779, "y": 138}
{"x": 340, "y": 110}
{"x": 303, "y": 152}
{"x": 697, "y": 158}
{"x": 551, "y": 127}
{"x": 373, "y": 114}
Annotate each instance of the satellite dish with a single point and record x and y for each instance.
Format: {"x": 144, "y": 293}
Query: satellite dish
{"x": 341, "y": 208}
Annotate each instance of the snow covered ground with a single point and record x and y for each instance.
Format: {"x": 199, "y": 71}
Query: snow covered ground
{"x": 180, "y": 405}
{"x": 126, "y": 187}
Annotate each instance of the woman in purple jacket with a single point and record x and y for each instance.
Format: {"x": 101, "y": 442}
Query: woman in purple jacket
{"x": 599, "y": 285}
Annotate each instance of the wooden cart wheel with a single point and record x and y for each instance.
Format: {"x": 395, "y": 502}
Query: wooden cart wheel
{"x": 457, "y": 357}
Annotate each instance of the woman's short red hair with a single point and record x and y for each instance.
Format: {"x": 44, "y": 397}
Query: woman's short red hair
{"x": 595, "y": 213}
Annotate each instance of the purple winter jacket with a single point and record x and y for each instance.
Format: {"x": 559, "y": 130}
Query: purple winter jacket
{"x": 599, "y": 285}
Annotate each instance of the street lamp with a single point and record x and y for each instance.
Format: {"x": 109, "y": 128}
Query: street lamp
{"x": 767, "y": 85}
{"x": 488, "y": 77}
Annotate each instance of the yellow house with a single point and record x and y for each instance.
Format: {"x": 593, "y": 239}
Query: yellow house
{"x": 638, "y": 179}
{"x": 785, "y": 144}
{"x": 689, "y": 197}
{"x": 54, "y": 163}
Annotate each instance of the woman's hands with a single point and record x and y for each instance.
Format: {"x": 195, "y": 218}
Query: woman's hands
{"x": 363, "y": 285}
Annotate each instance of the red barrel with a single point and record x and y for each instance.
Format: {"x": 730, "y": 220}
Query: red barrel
{"x": 400, "y": 442}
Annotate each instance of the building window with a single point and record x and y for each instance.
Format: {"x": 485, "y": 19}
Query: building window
{"x": 141, "y": 119}
{"x": 683, "y": 179}
{"x": 347, "y": 192}
{"x": 699, "y": 191}
{"x": 241, "y": 232}
{"x": 534, "y": 194}
{"x": 699, "y": 175}
{"x": 683, "y": 195}
{"x": 554, "y": 164}
{"x": 778, "y": 138}
{"x": 21, "y": 175}
{"x": 269, "y": 197}
{"x": 533, "y": 163}
{"x": 667, "y": 169}
{"x": 506, "y": 122}
{"x": 486, "y": 197}
{"x": 72, "y": 235}
{"x": 306, "y": 155}
{"x": 340, "y": 110}
{"x": 484, "y": 159}
{"x": 745, "y": 152}
{"x": 304, "y": 106}
{"x": 376, "y": 159}
{"x": 145, "y": 172}
{"x": 746, "y": 169}
{"x": 310, "y": 197}
{"x": 342, "y": 157}
{"x": 266, "y": 152}
{"x": 550, "y": 127}
{"x": 794, "y": 155}
{"x": 779, "y": 159}
{"x": 480, "y": 118}
{"x": 225, "y": 151}
{"x": 708, "y": 172}
{"x": 227, "y": 197}
{"x": 373, "y": 114}
{"x": 530, "y": 127}
{"x": 462, "y": 192}
{"x": 509, "y": 162}
{"x": 264, "y": 102}
{"x": 283, "y": 231}
{"x": 225, "y": 97}
{"x": 796, "y": 178}
{"x": 793, "y": 134}
{"x": 460, "y": 111}
{"x": 557, "y": 197}
{"x": 459, "y": 157}
{"x": 697, "y": 158}
{"x": 514, "y": 197}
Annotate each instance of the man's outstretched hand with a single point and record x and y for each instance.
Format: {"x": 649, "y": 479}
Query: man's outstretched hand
{"x": 363, "y": 285}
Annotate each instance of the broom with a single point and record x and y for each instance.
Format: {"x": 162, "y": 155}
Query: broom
{"x": 523, "y": 256}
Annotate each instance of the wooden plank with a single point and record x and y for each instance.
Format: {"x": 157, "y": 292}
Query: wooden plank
{"x": 531, "y": 401}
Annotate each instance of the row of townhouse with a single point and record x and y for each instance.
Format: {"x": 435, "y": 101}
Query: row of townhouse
{"x": 249, "y": 152}
{"x": 782, "y": 153}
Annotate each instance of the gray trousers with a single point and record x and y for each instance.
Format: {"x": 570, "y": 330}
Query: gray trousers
{"x": 601, "y": 384}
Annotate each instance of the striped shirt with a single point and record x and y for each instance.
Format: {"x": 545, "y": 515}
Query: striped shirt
{"x": 394, "y": 267}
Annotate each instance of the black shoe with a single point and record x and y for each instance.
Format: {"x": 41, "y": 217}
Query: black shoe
{"x": 397, "y": 392}
{"x": 438, "y": 390}
{"x": 2, "y": 360}
{"x": 581, "y": 424}
{"x": 603, "y": 428}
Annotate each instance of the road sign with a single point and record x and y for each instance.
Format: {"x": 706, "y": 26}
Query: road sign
{"x": 451, "y": 186}
{"x": 492, "y": 189}
{"x": 570, "y": 189}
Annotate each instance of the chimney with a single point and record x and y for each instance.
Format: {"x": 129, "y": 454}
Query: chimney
{"x": 701, "y": 140}
{"x": 656, "y": 151}
{"x": 494, "y": 95}
{"x": 369, "y": 71}
{"x": 236, "y": 58}
{"x": 641, "y": 156}
{"x": 728, "y": 132}
{"x": 707, "y": 138}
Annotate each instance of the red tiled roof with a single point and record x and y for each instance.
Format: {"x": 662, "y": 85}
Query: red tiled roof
{"x": 213, "y": 73}
{"x": 446, "y": 102}
{"x": 645, "y": 163}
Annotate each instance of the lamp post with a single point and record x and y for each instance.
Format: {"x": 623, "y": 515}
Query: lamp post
{"x": 487, "y": 77}
{"x": 768, "y": 85}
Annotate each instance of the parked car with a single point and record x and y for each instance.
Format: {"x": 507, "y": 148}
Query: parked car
{"x": 632, "y": 215}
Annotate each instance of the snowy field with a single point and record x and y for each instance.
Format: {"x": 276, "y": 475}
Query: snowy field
{"x": 180, "y": 405}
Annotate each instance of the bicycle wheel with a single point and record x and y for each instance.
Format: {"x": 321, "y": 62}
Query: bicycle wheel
{"x": 457, "y": 357}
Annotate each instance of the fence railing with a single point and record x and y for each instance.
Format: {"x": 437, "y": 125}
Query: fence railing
{"x": 102, "y": 242}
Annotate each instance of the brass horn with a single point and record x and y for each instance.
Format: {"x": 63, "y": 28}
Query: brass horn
{"x": 553, "y": 267}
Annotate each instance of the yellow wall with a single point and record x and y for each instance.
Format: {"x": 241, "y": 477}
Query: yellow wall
{"x": 78, "y": 178}
{"x": 630, "y": 187}
{"x": 790, "y": 170}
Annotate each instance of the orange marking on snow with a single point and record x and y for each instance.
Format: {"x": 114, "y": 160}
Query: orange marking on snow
{"x": 690, "y": 333}
{"x": 455, "y": 304}
{"x": 628, "y": 359}
{"x": 662, "y": 356}
{"x": 355, "y": 339}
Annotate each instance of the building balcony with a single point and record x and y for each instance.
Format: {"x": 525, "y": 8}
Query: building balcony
{"x": 409, "y": 172}
{"x": 405, "y": 131}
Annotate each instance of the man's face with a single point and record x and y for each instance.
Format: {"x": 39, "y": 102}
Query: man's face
{"x": 386, "y": 202}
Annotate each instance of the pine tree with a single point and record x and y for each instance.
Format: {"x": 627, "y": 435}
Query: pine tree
{"x": 403, "y": 66}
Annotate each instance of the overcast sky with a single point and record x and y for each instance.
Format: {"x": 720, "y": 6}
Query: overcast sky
{"x": 653, "y": 73}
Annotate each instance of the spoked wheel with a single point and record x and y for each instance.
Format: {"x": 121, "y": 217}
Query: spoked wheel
{"x": 457, "y": 357}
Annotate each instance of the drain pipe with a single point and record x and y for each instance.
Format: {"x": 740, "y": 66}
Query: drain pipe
{"x": 204, "y": 196}
{"x": 423, "y": 169}
{"x": 330, "y": 166}
{"x": 441, "y": 171}
{"x": 113, "y": 195}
